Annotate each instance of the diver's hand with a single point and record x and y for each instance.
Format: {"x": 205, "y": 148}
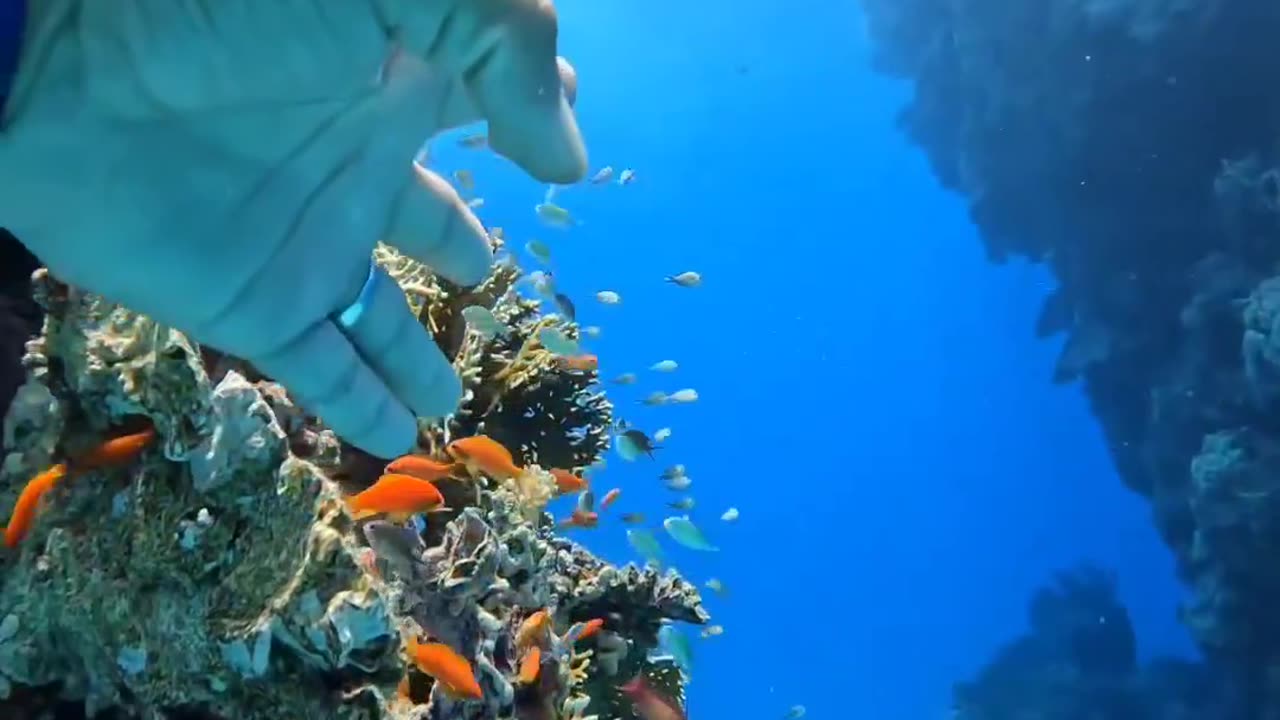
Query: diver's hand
{"x": 226, "y": 167}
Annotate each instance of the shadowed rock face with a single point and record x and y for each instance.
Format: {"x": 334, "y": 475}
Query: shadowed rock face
{"x": 19, "y": 316}
{"x": 1134, "y": 148}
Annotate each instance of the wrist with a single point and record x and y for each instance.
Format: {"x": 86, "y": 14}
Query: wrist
{"x": 12, "y": 23}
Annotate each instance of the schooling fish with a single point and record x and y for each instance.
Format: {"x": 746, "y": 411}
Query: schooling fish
{"x": 603, "y": 175}
{"x": 534, "y": 629}
{"x": 450, "y": 669}
{"x": 481, "y": 320}
{"x": 483, "y": 454}
{"x": 567, "y": 482}
{"x": 396, "y": 496}
{"x": 633, "y": 443}
{"x": 423, "y": 468}
{"x": 28, "y": 505}
{"x": 566, "y": 306}
{"x": 683, "y": 531}
{"x": 645, "y": 545}
{"x": 399, "y": 546}
{"x": 557, "y": 343}
{"x": 687, "y": 279}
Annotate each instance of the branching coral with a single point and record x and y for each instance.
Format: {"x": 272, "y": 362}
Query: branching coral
{"x": 221, "y": 573}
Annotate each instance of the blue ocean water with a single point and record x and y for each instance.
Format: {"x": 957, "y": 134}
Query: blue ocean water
{"x": 872, "y": 397}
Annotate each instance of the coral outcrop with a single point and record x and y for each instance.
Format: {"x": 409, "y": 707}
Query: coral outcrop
{"x": 1130, "y": 146}
{"x": 221, "y": 575}
{"x": 1079, "y": 660}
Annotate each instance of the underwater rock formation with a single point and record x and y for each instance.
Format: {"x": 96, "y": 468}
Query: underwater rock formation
{"x": 1079, "y": 660}
{"x": 218, "y": 572}
{"x": 1131, "y": 147}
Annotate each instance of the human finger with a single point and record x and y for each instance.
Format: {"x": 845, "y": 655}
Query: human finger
{"x": 430, "y": 223}
{"x": 402, "y": 353}
{"x": 505, "y": 53}
{"x": 329, "y": 378}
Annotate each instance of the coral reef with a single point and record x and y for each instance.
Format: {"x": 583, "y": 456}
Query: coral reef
{"x": 1128, "y": 146}
{"x": 220, "y": 574}
{"x": 1079, "y": 660}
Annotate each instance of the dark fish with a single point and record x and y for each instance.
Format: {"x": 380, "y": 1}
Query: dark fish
{"x": 400, "y": 547}
{"x": 566, "y": 306}
{"x": 642, "y": 442}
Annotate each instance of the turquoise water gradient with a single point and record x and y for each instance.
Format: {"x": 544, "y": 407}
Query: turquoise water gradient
{"x": 873, "y": 399}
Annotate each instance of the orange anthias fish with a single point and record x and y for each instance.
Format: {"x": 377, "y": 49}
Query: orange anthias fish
{"x": 483, "y": 454}
{"x": 115, "y": 452}
{"x": 397, "y": 496}
{"x": 648, "y": 704}
{"x": 24, "y": 511}
{"x": 590, "y": 627}
{"x": 423, "y": 468}
{"x": 450, "y": 669}
{"x": 567, "y": 482}
{"x": 112, "y": 453}
{"x": 533, "y": 631}
{"x": 610, "y": 498}
{"x": 530, "y": 665}
{"x": 581, "y": 363}
{"x": 585, "y": 519}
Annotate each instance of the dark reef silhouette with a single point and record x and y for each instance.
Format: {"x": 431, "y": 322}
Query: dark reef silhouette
{"x": 1133, "y": 146}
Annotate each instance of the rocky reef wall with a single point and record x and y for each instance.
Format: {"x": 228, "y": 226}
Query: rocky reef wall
{"x": 1133, "y": 146}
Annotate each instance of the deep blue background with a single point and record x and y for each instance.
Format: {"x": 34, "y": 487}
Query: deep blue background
{"x": 872, "y": 396}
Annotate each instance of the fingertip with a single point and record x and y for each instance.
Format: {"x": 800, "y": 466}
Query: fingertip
{"x": 543, "y": 139}
{"x": 323, "y": 371}
{"x": 431, "y": 224}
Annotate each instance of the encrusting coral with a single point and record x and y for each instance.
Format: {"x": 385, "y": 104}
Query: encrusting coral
{"x": 218, "y": 571}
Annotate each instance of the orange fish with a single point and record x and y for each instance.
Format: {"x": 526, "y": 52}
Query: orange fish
{"x": 115, "y": 452}
{"x": 581, "y": 519}
{"x": 530, "y": 665}
{"x": 423, "y": 468}
{"x": 397, "y": 496}
{"x": 533, "y": 631}
{"x": 112, "y": 453}
{"x": 610, "y": 498}
{"x": 581, "y": 363}
{"x": 590, "y": 627}
{"x": 483, "y": 454}
{"x": 567, "y": 482}
{"x": 24, "y": 511}
{"x": 450, "y": 669}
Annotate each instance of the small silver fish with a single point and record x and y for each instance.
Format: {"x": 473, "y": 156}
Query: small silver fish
{"x": 476, "y": 204}
{"x": 626, "y": 176}
{"x": 687, "y": 279}
{"x": 730, "y": 515}
{"x": 554, "y": 215}
{"x": 603, "y": 175}
{"x": 687, "y": 395}
{"x": 557, "y": 342}
{"x": 539, "y": 251}
{"x": 685, "y": 503}
{"x": 608, "y": 297}
{"x": 681, "y": 482}
{"x": 481, "y": 319}
{"x": 664, "y": 366}
{"x": 662, "y": 434}
{"x": 625, "y": 379}
{"x": 655, "y": 398}
{"x": 674, "y": 471}
{"x": 592, "y": 331}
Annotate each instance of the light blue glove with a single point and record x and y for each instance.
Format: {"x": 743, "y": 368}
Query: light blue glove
{"x": 226, "y": 167}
